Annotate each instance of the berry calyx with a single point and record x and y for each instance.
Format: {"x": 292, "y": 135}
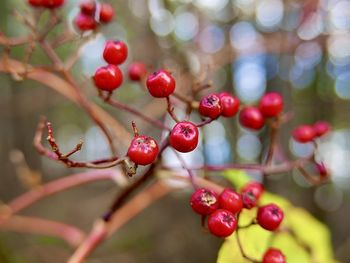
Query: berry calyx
{"x": 269, "y": 217}
{"x": 222, "y": 223}
{"x": 108, "y": 77}
{"x": 160, "y": 84}
{"x": 321, "y": 128}
{"x": 52, "y": 3}
{"x": 251, "y": 193}
{"x": 184, "y": 137}
{"x": 251, "y": 118}
{"x": 137, "y": 70}
{"x": 204, "y": 201}
{"x": 35, "y": 3}
{"x": 143, "y": 150}
{"x": 88, "y": 7}
{"x": 271, "y": 104}
{"x": 229, "y": 104}
{"x": 106, "y": 13}
{"x": 85, "y": 22}
{"x": 303, "y": 133}
{"x": 210, "y": 106}
{"x": 115, "y": 52}
{"x": 273, "y": 255}
{"x": 230, "y": 201}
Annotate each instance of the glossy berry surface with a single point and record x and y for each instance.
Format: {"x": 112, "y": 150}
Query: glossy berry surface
{"x": 269, "y": 217}
{"x": 106, "y": 13}
{"x": 204, "y": 201}
{"x": 251, "y": 118}
{"x": 85, "y": 22}
{"x": 304, "y": 133}
{"x": 321, "y": 169}
{"x": 88, "y": 7}
{"x": 229, "y": 104}
{"x": 52, "y": 3}
{"x": 136, "y": 71}
{"x": 273, "y": 255}
{"x": 321, "y": 128}
{"x": 115, "y": 52}
{"x": 210, "y": 106}
{"x": 184, "y": 137}
{"x": 108, "y": 77}
{"x": 143, "y": 150}
{"x": 222, "y": 223}
{"x": 251, "y": 193}
{"x": 160, "y": 84}
{"x": 230, "y": 201}
{"x": 271, "y": 104}
{"x": 35, "y": 3}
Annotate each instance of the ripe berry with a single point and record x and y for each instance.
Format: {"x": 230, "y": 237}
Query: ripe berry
{"x": 204, "y": 201}
{"x": 271, "y": 104}
{"x": 222, "y": 223}
{"x": 88, "y": 7}
{"x": 115, "y": 52}
{"x": 184, "y": 137}
{"x": 210, "y": 106}
{"x": 106, "y": 13}
{"x": 251, "y": 117}
{"x": 321, "y": 169}
{"x": 52, "y": 3}
{"x": 251, "y": 194}
{"x": 108, "y": 77}
{"x": 229, "y": 104}
{"x": 160, "y": 84}
{"x": 321, "y": 128}
{"x": 269, "y": 217}
{"x": 85, "y": 22}
{"x": 231, "y": 201}
{"x": 304, "y": 133}
{"x": 35, "y": 3}
{"x": 273, "y": 255}
{"x": 143, "y": 150}
{"x": 136, "y": 71}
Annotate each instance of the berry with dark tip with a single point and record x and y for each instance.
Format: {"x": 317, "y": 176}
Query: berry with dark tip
{"x": 222, "y": 223}
{"x": 304, "y": 133}
{"x": 204, "y": 201}
{"x": 143, "y": 150}
{"x": 88, "y": 7}
{"x": 271, "y": 104}
{"x": 108, "y": 77}
{"x": 184, "y": 137}
{"x": 251, "y": 193}
{"x": 269, "y": 217}
{"x": 115, "y": 52}
{"x": 230, "y": 201}
{"x": 229, "y": 104}
{"x": 210, "y": 106}
{"x": 160, "y": 84}
{"x": 251, "y": 118}
{"x": 85, "y": 22}
{"x": 273, "y": 255}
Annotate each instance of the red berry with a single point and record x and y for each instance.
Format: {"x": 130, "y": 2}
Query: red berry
{"x": 143, "y": 150}
{"x": 321, "y": 128}
{"x": 108, "y": 77}
{"x": 184, "y": 137}
{"x": 204, "y": 201}
{"x": 85, "y": 22}
{"x": 251, "y": 117}
{"x": 271, "y": 104}
{"x": 229, "y": 104}
{"x": 269, "y": 217}
{"x": 115, "y": 52}
{"x": 321, "y": 169}
{"x": 35, "y": 3}
{"x": 304, "y": 133}
{"x": 106, "y": 13}
{"x": 273, "y": 255}
{"x": 231, "y": 201}
{"x": 52, "y": 3}
{"x": 210, "y": 106}
{"x": 88, "y": 7}
{"x": 222, "y": 223}
{"x": 136, "y": 71}
{"x": 160, "y": 84}
{"x": 251, "y": 193}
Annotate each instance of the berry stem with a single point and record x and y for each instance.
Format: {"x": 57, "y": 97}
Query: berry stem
{"x": 134, "y": 128}
{"x": 170, "y": 110}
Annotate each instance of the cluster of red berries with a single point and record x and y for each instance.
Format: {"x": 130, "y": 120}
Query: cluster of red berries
{"x": 307, "y": 133}
{"x": 222, "y": 211}
{"x": 46, "y": 3}
{"x": 214, "y": 105}
{"x": 92, "y": 13}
